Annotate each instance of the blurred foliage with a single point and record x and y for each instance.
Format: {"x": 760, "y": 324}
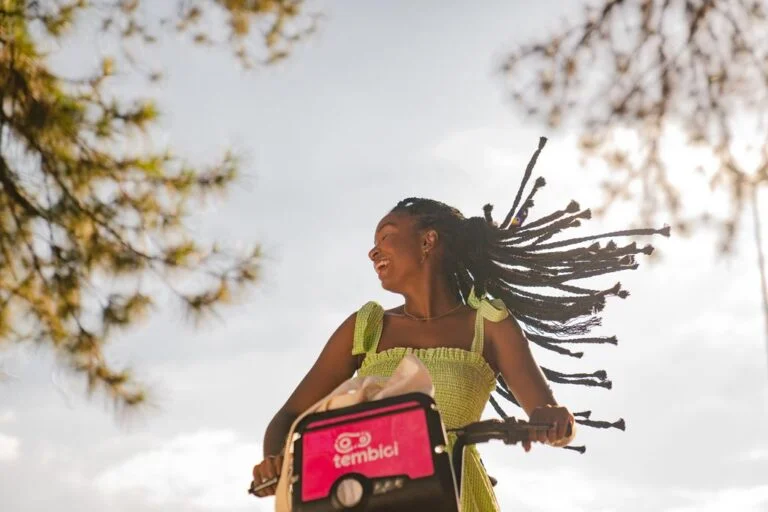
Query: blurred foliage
{"x": 89, "y": 220}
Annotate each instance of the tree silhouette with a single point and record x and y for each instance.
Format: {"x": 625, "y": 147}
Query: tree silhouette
{"x": 89, "y": 219}
{"x": 631, "y": 76}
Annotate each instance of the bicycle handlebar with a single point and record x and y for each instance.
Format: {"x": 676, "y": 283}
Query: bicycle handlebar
{"x": 253, "y": 489}
{"x": 509, "y": 430}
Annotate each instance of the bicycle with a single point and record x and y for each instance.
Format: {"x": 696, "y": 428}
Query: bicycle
{"x": 389, "y": 454}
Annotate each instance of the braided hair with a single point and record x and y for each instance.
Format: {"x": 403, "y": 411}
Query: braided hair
{"x": 520, "y": 262}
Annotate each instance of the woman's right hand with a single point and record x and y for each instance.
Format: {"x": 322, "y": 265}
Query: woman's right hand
{"x": 267, "y": 469}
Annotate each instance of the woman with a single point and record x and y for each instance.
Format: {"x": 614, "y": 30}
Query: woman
{"x": 445, "y": 266}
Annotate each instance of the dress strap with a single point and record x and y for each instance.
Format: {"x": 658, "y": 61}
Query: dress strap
{"x": 368, "y": 325}
{"x": 493, "y": 310}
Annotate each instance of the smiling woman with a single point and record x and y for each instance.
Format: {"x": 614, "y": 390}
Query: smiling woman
{"x": 466, "y": 283}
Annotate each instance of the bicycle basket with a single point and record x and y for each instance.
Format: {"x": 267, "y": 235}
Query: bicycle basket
{"x": 376, "y": 456}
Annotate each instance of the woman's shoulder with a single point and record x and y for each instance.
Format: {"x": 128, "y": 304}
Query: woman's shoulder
{"x": 369, "y": 307}
{"x": 489, "y": 308}
{"x": 374, "y": 306}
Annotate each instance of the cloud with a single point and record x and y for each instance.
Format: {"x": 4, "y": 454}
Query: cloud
{"x": 479, "y": 148}
{"x": 208, "y": 469}
{"x": 7, "y": 416}
{"x": 531, "y": 490}
{"x": 743, "y": 499}
{"x": 580, "y": 490}
{"x": 759, "y": 453}
{"x": 523, "y": 488}
{"x": 9, "y": 448}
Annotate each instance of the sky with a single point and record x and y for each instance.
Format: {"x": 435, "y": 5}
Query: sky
{"x": 388, "y": 100}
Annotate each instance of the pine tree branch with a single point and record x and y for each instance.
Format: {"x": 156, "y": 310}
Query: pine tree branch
{"x": 15, "y": 13}
{"x": 53, "y": 238}
{"x": 6, "y": 179}
{"x": 30, "y": 248}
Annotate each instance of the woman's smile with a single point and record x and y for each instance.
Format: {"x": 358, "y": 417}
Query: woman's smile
{"x": 381, "y": 266}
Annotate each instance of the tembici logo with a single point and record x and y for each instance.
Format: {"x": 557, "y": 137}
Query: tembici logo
{"x": 353, "y": 448}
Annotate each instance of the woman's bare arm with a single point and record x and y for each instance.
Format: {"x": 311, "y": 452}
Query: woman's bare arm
{"x": 511, "y": 353}
{"x": 334, "y": 365}
{"x": 513, "y": 359}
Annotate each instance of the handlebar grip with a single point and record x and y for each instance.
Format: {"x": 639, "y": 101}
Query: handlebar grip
{"x": 253, "y": 489}
{"x": 547, "y": 426}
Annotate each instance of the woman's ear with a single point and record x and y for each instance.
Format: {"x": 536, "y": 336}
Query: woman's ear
{"x": 429, "y": 240}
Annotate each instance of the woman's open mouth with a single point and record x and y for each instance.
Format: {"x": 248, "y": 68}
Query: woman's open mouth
{"x": 381, "y": 266}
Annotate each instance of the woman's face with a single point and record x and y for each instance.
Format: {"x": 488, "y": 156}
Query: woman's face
{"x": 398, "y": 251}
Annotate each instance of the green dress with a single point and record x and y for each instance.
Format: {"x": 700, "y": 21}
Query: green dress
{"x": 463, "y": 383}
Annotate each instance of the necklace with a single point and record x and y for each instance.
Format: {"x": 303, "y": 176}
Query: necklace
{"x": 424, "y": 319}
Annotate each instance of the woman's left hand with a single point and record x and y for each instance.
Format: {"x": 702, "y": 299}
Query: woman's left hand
{"x": 563, "y": 427}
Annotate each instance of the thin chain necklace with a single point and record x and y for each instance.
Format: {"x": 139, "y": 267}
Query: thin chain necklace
{"x": 424, "y": 319}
